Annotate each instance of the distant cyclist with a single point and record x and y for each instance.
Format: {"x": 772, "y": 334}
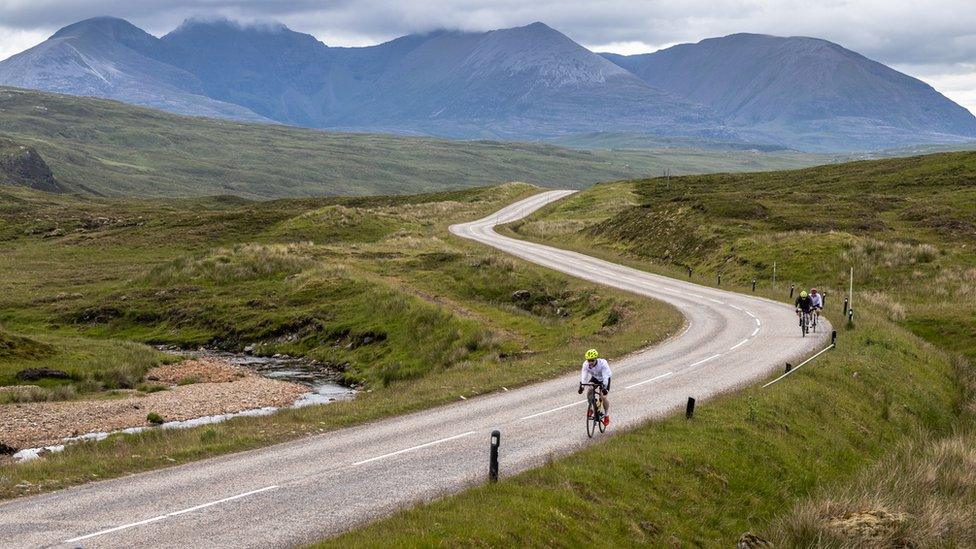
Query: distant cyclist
{"x": 803, "y": 304}
{"x": 816, "y": 299}
{"x": 597, "y": 370}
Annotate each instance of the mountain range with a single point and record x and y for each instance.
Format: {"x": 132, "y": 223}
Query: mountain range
{"x": 524, "y": 83}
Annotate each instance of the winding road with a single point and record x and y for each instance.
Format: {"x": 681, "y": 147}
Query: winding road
{"x": 305, "y": 490}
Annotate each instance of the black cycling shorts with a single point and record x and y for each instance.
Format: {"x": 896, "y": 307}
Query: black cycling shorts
{"x": 604, "y": 385}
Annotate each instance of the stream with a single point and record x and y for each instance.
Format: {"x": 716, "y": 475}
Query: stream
{"x": 322, "y": 382}
{"x": 318, "y": 377}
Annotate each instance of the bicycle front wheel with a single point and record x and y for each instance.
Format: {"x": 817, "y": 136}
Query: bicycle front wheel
{"x": 591, "y": 419}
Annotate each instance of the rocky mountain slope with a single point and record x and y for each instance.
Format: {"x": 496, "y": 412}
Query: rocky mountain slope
{"x": 524, "y": 83}
{"x": 804, "y": 92}
{"x": 107, "y": 57}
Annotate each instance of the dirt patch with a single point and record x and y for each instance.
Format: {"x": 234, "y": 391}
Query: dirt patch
{"x": 222, "y": 389}
{"x": 873, "y": 527}
{"x": 202, "y": 370}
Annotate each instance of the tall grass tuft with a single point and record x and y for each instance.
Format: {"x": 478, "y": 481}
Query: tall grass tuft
{"x": 239, "y": 263}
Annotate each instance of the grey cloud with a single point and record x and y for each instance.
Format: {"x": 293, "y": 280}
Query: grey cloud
{"x": 896, "y": 31}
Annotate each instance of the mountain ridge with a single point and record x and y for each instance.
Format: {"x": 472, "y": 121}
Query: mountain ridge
{"x": 106, "y": 57}
{"x": 521, "y": 83}
{"x": 781, "y": 86}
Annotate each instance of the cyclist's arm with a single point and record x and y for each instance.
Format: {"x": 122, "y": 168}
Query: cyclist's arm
{"x": 583, "y": 378}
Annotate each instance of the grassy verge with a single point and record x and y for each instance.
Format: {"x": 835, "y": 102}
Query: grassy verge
{"x": 894, "y": 395}
{"x": 371, "y": 286}
{"x": 734, "y": 468}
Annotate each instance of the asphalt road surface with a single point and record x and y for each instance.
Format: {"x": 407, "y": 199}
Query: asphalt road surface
{"x": 311, "y": 488}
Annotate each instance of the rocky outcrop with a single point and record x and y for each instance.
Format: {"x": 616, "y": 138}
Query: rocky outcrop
{"x": 749, "y": 540}
{"x": 22, "y": 165}
{"x": 35, "y": 374}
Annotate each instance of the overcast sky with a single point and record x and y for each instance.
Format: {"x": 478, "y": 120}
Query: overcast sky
{"x": 933, "y": 40}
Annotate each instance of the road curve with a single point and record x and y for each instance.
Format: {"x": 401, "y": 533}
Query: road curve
{"x": 304, "y": 490}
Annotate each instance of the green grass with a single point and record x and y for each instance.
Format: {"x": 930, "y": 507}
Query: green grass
{"x": 17, "y": 347}
{"x": 897, "y": 395}
{"x": 734, "y": 468}
{"x": 109, "y": 148}
{"x": 92, "y": 364}
{"x": 311, "y": 277}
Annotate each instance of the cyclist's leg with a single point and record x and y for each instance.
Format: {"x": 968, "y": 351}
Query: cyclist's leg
{"x": 606, "y": 401}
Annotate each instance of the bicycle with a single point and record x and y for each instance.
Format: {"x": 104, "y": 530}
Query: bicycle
{"x": 594, "y": 409}
{"x": 805, "y": 323}
{"x": 814, "y": 320}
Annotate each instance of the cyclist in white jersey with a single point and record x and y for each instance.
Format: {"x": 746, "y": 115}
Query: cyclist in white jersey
{"x": 597, "y": 370}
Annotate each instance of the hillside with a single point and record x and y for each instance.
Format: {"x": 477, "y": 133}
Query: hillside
{"x": 113, "y": 149}
{"x": 804, "y": 92}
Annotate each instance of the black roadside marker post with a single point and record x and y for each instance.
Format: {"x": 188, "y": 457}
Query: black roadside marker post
{"x": 690, "y": 409}
{"x": 845, "y": 306}
{"x": 689, "y": 272}
{"x": 754, "y": 284}
{"x": 833, "y": 338}
{"x": 824, "y": 303}
{"x": 792, "y": 287}
{"x": 788, "y": 367}
{"x": 719, "y": 280}
{"x": 496, "y": 438}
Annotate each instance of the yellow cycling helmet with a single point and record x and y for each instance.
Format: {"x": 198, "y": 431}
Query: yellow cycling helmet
{"x": 592, "y": 354}
{"x": 803, "y": 294}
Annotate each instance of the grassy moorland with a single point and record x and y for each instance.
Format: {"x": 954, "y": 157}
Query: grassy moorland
{"x": 372, "y": 286}
{"x": 109, "y": 148}
{"x": 894, "y": 467}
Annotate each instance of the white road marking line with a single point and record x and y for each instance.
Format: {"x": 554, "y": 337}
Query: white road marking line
{"x": 225, "y": 500}
{"x": 739, "y": 344}
{"x": 758, "y": 323}
{"x": 748, "y": 312}
{"x": 716, "y": 301}
{"x": 736, "y": 307}
{"x": 553, "y": 410}
{"x": 705, "y": 360}
{"x": 754, "y": 332}
{"x": 116, "y": 529}
{"x": 649, "y": 380}
{"x": 167, "y": 515}
{"x": 405, "y": 450}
